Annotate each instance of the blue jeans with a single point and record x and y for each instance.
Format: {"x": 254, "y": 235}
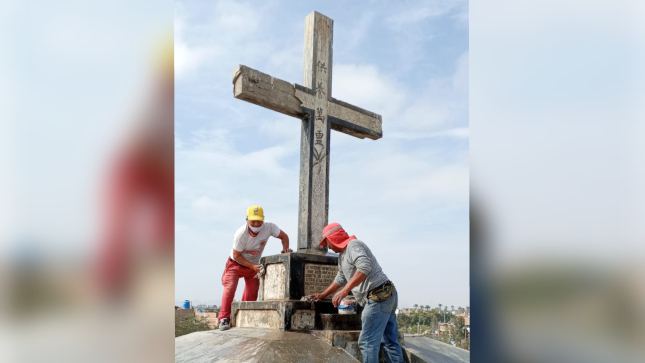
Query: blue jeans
{"x": 379, "y": 325}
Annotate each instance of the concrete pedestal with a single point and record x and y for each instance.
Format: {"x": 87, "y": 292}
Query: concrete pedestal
{"x": 288, "y": 278}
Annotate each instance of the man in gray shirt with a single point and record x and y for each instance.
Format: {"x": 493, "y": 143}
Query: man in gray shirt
{"x": 360, "y": 273}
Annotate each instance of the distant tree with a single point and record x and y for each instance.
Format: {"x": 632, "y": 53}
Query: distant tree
{"x": 464, "y": 344}
{"x": 452, "y": 308}
{"x": 434, "y": 323}
{"x": 403, "y": 320}
{"x": 185, "y": 324}
{"x": 427, "y": 307}
{"x": 459, "y": 326}
{"x": 444, "y": 336}
{"x": 416, "y": 306}
{"x": 459, "y": 332}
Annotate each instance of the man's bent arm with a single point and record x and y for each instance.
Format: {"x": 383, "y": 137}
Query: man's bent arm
{"x": 353, "y": 282}
{"x": 285, "y": 240}
{"x": 237, "y": 256}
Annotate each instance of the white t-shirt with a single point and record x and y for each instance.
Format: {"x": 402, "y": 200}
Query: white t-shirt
{"x": 252, "y": 247}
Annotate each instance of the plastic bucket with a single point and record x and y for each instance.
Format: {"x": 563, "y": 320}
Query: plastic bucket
{"x": 347, "y": 305}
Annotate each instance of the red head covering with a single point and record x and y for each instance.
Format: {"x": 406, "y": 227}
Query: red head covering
{"x": 336, "y": 235}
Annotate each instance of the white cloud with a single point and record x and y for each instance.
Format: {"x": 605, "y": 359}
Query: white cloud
{"x": 364, "y": 86}
{"x": 359, "y": 29}
{"x": 283, "y": 128}
{"x": 433, "y": 111}
{"x": 456, "y": 133}
{"x": 460, "y": 77}
{"x": 199, "y": 43}
{"x": 187, "y": 58}
{"x": 434, "y": 9}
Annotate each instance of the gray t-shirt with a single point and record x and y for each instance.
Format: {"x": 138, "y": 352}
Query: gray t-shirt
{"x": 357, "y": 256}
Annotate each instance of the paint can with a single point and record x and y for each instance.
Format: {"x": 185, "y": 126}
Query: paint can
{"x": 347, "y": 305}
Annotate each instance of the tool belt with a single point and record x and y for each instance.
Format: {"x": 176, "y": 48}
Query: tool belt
{"x": 382, "y": 292}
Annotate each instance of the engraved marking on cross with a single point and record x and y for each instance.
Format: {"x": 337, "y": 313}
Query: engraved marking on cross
{"x": 322, "y": 67}
{"x": 319, "y": 116}
{"x": 320, "y": 91}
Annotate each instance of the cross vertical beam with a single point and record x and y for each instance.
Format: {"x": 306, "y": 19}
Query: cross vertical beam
{"x": 319, "y": 112}
{"x": 314, "y": 144}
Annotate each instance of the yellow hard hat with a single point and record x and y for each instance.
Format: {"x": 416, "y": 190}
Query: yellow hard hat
{"x": 255, "y": 213}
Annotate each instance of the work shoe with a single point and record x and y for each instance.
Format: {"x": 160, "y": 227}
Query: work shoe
{"x": 224, "y": 325}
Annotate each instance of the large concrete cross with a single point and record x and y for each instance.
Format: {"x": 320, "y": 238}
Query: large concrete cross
{"x": 319, "y": 111}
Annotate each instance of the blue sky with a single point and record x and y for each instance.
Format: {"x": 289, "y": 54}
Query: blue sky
{"x": 405, "y": 195}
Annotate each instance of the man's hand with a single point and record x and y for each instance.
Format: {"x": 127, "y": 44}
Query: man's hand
{"x": 256, "y": 268}
{"x": 287, "y": 250}
{"x": 340, "y": 295}
{"x": 318, "y": 296}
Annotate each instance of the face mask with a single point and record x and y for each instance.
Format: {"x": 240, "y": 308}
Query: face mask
{"x": 255, "y": 229}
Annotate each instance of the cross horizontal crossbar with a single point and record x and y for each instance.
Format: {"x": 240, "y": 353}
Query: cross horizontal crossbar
{"x": 264, "y": 90}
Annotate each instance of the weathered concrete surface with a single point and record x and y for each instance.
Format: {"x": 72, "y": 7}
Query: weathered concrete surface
{"x": 318, "y": 277}
{"x": 264, "y": 319}
{"x": 435, "y": 351}
{"x": 285, "y": 310}
{"x": 341, "y": 321}
{"x": 256, "y": 345}
{"x": 303, "y": 320}
{"x": 348, "y": 340}
{"x": 266, "y": 91}
{"x": 297, "y": 281}
{"x": 274, "y": 282}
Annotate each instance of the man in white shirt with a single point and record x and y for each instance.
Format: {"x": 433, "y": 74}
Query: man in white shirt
{"x": 244, "y": 260}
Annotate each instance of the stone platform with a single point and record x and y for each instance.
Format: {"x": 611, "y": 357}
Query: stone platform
{"x": 288, "y": 278}
{"x": 280, "y": 314}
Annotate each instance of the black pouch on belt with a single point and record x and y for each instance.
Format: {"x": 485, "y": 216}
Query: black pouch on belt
{"x": 382, "y": 292}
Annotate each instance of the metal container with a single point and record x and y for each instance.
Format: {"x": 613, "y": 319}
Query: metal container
{"x": 347, "y": 305}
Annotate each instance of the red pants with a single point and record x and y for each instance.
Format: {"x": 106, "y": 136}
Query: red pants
{"x": 232, "y": 273}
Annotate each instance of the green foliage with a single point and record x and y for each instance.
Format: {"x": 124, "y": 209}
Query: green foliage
{"x": 463, "y": 344}
{"x": 459, "y": 322}
{"x": 434, "y": 322}
{"x": 186, "y": 324}
{"x": 444, "y": 336}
